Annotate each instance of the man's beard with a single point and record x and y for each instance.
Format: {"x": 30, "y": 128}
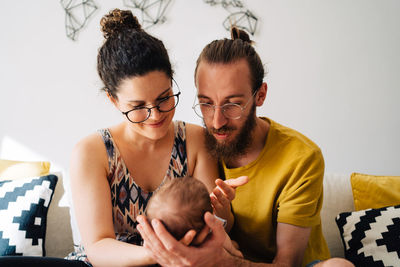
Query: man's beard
{"x": 228, "y": 151}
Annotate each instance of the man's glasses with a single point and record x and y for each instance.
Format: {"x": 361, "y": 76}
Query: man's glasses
{"x": 230, "y": 110}
{"x": 141, "y": 114}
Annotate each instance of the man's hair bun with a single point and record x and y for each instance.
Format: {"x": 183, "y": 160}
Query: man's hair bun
{"x": 237, "y": 33}
{"x": 117, "y": 21}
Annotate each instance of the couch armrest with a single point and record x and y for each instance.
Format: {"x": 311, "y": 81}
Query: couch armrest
{"x": 338, "y": 198}
{"x": 58, "y": 234}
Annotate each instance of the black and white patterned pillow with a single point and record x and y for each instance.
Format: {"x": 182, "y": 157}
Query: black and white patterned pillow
{"x": 371, "y": 237}
{"x": 23, "y": 214}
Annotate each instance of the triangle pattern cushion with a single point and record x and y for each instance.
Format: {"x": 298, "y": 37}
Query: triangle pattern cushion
{"x": 23, "y": 211}
{"x": 371, "y": 237}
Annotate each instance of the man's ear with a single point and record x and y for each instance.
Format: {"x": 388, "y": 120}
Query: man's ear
{"x": 261, "y": 94}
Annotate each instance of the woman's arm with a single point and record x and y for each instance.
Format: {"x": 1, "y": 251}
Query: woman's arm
{"x": 203, "y": 167}
{"x": 93, "y": 209}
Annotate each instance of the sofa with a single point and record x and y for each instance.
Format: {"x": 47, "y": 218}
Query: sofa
{"x": 59, "y": 236}
{"x": 337, "y": 198}
{"x": 61, "y": 231}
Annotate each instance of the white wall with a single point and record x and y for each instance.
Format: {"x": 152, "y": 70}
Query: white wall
{"x": 333, "y": 75}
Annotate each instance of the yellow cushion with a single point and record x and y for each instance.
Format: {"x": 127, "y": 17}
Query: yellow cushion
{"x": 11, "y": 169}
{"x": 374, "y": 192}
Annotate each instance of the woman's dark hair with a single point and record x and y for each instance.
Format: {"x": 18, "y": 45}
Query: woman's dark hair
{"x": 228, "y": 51}
{"x": 128, "y": 51}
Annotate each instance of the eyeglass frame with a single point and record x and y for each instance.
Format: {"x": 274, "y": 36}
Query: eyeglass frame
{"x": 222, "y": 107}
{"x": 156, "y": 106}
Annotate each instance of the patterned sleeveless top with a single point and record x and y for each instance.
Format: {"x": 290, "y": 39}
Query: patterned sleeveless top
{"x": 128, "y": 199}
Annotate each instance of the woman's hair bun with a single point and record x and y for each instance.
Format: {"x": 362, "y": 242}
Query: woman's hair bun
{"x": 237, "y": 33}
{"x": 117, "y": 21}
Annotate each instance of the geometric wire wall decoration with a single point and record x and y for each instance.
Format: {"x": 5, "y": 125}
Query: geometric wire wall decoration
{"x": 238, "y": 16}
{"x": 151, "y": 11}
{"x": 77, "y": 13}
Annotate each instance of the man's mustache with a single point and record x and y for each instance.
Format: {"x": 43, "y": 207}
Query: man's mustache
{"x": 222, "y": 130}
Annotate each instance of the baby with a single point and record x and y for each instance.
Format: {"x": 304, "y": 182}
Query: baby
{"x": 180, "y": 205}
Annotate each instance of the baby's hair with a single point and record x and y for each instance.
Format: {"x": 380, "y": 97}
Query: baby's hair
{"x": 180, "y": 204}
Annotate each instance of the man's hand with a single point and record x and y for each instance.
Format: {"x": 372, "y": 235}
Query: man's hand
{"x": 224, "y": 193}
{"x": 167, "y": 251}
{"x": 232, "y": 247}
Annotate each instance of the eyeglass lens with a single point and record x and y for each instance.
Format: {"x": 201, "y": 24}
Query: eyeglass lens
{"x": 231, "y": 111}
{"x": 143, "y": 113}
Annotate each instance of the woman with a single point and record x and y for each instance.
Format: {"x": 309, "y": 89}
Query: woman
{"x": 115, "y": 172}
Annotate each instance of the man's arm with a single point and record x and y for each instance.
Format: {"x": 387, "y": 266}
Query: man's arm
{"x": 291, "y": 244}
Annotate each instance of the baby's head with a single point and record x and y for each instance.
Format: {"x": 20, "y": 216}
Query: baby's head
{"x": 180, "y": 204}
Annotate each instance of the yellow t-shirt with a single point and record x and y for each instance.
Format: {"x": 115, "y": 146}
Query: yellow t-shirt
{"x": 285, "y": 185}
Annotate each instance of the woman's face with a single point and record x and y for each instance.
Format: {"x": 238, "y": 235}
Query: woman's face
{"x": 136, "y": 94}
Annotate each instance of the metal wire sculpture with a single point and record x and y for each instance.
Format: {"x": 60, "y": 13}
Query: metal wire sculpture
{"x": 77, "y": 13}
{"x": 238, "y": 16}
{"x": 151, "y": 11}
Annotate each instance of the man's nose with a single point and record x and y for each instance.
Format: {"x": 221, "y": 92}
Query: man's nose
{"x": 219, "y": 118}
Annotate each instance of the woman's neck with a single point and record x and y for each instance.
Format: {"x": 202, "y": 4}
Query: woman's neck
{"x": 139, "y": 141}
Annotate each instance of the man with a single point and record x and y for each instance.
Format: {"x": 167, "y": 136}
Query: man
{"x": 277, "y": 220}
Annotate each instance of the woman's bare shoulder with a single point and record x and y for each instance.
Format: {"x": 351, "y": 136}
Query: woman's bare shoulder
{"x": 195, "y": 140}
{"x": 89, "y": 154}
{"x": 195, "y": 137}
{"x": 194, "y": 131}
{"x": 91, "y": 143}
{"x": 203, "y": 166}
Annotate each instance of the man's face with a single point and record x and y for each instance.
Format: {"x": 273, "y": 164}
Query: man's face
{"x": 220, "y": 84}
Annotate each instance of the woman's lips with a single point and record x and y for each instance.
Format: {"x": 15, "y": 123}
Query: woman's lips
{"x": 156, "y": 124}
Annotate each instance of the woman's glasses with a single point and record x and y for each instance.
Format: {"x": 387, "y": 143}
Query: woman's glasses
{"x": 141, "y": 114}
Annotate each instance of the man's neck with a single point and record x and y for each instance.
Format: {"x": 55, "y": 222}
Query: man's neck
{"x": 258, "y": 137}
